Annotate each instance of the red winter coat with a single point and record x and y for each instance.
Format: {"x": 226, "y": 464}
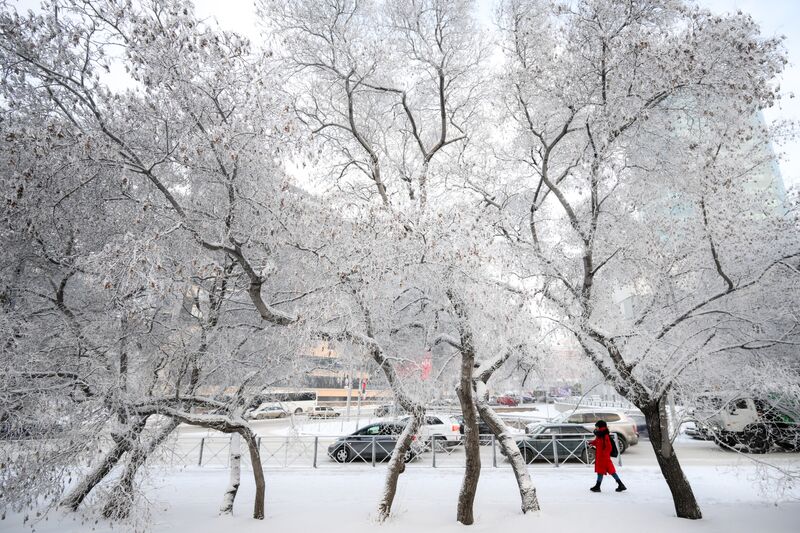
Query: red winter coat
{"x": 602, "y": 461}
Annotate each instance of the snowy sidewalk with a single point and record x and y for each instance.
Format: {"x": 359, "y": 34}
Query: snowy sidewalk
{"x": 343, "y": 501}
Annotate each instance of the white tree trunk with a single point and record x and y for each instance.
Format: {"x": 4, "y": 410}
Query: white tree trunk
{"x": 527, "y": 491}
{"x": 397, "y": 463}
{"x": 235, "y": 475}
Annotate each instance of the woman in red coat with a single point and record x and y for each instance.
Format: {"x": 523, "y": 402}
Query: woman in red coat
{"x": 602, "y": 461}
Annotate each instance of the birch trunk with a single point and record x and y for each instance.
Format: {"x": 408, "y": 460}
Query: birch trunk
{"x": 235, "y": 475}
{"x": 397, "y": 463}
{"x": 527, "y": 492}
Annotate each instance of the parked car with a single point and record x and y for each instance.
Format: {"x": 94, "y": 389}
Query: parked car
{"x": 508, "y": 400}
{"x": 484, "y": 431}
{"x": 264, "y": 412}
{"x": 752, "y": 424}
{"x": 619, "y": 424}
{"x": 641, "y": 426}
{"x": 692, "y": 430}
{"x": 545, "y": 441}
{"x": 440, "y": 428}
{"x": 379, "y": 439}
{"x": 322, "y": 411}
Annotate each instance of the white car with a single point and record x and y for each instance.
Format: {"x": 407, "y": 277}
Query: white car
{"x": 441, "y": 428}
{"x": 321, "y": 411}
{"x": 264, "y": 412}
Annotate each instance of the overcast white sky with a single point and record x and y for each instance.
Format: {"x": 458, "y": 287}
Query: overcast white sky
{"x": 776, "y": 17}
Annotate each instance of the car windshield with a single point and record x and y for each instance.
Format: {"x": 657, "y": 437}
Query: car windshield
{"x": 537, "y": 429}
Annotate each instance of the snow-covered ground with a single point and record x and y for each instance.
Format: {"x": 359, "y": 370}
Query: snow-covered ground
{"x": 343, "y": 501}
{"x": 338, "y": 498}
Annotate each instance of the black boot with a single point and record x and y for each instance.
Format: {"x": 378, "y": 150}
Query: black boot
{"x": 620, "y": 487}
{"x": 596, "y": 488}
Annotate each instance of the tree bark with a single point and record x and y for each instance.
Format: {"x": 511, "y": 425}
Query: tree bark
{"x": 466, "y": 398}
{"x": 120, "y": 499}
{"x": 628, "y": 386}
{"x": 258, "y": 472}
{"x": 122, "y": 444}
{"x": 472, "y": 448}
{"x": 235, "y": 475}
{"x": 682, "y": 495}
{"x": 397, "y": 463}
{"x": 224, "y": 424}
{"x": 527, "y": 491}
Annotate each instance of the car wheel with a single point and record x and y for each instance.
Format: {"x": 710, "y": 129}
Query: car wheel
{"x": 341, "y": 455}
{"x": 409, "y": 456}
{"x": 622, "y": 444}
{"x": 298, "y": 411}
{"x": 757, "y": 439}
{"x": 282, "y": 415}
{"x": 437, "y": 441}
{"x": 787, "y": 439}
{"x": 527, "y": 455}
{"x": 590, "y": 454}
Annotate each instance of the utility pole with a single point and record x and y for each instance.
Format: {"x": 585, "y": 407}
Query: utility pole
{"x": 349, "y": 386}
{"x": 358, "y": 403}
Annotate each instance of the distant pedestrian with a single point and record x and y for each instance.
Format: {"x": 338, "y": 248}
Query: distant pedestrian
{"x": 602, "y": 460}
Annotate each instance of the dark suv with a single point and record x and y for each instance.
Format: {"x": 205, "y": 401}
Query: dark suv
{"x": 484, "y": 431}
{"x": 375, "y": 440}
{"x": 556, "y": 441}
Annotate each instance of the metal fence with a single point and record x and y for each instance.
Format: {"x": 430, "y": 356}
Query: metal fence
{"x": 325, "y": 452}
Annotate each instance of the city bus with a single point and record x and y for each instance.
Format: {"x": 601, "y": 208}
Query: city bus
{"x": 295, "y": 401}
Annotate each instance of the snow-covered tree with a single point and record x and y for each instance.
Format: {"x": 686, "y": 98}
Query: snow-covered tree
{"x": 637, "y": 175}
{"x": 154, "y": 210}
